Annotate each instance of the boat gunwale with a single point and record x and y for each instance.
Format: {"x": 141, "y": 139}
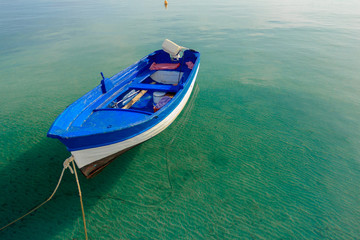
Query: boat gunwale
{"x": 68, "y": 133}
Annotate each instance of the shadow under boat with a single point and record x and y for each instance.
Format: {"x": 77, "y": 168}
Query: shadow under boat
{"x": 29, "y": 179}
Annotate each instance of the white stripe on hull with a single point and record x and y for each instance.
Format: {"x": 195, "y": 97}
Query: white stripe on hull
{"x": 87, "y": 156}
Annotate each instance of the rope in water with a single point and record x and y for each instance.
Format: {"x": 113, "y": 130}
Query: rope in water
{"x": 81, "y": 202}
{"x": 66, "y": 165}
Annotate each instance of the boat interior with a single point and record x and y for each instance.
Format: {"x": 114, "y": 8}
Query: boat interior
{"x": 149, "y": 86}
{"x": 154, "y": 87}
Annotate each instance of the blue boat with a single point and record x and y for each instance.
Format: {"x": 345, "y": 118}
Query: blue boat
{"x": 128, "y": 108}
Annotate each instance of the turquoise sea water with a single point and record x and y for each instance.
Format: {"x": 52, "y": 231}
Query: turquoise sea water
{"x": 268, "y": 147}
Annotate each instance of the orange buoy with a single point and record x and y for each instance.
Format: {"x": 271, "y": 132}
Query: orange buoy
{"x": 166, "y": 3}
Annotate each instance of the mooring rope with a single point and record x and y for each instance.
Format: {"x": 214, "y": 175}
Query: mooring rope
{"x": 66, "y": 165}
{"x": 81, "y": 202}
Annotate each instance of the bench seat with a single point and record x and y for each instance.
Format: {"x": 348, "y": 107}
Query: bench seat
{"x": 156, "y": 87}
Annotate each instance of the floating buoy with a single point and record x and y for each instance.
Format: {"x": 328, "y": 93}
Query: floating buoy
{"x": 166, "y": 3}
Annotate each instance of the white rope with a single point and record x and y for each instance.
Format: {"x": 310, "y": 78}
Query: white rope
{"x": 66, "y": 165}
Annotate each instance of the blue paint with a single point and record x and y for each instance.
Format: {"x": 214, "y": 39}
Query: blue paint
{"x": 157, "y": 87}
{"x": 103, "y": 88}
{"x": 91, "y": 121}
{"x": 106, "y": 84}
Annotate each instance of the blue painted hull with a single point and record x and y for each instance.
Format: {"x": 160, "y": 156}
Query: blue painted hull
{"x": 95, "y": 122}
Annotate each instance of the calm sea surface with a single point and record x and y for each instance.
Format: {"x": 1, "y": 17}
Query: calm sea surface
{"x": 268, "y": 147}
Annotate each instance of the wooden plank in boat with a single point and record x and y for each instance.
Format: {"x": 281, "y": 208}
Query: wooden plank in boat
{"x": 135, "y": 99}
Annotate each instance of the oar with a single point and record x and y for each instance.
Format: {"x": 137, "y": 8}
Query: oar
{"x": 135, "y": 99}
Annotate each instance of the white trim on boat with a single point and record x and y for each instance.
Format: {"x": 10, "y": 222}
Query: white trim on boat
{"x": 87, "y": 156}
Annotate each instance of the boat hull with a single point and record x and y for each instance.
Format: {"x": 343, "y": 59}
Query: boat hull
{"x": 92, "y": 160}
{"x": 94, "y": 168}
